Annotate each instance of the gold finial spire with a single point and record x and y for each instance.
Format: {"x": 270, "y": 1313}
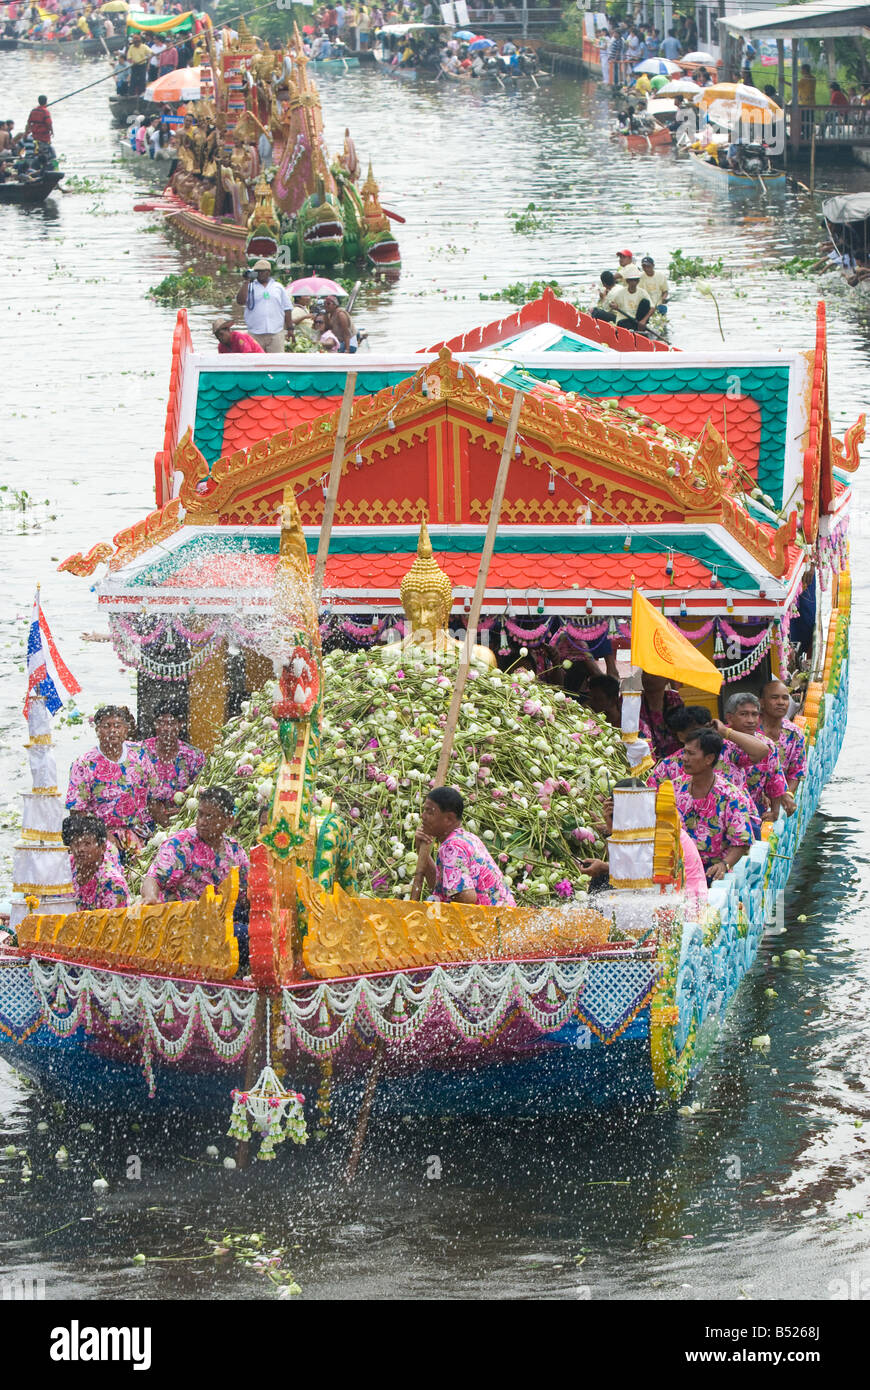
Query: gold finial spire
{"x": 427, "y": 594}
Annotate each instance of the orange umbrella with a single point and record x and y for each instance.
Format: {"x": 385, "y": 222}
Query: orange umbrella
{"x": 728, "y": 102}
{"x": 180, "y": 85}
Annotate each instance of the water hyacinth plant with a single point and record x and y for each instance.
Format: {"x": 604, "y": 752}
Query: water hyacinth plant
{"x": 531, "y": 764}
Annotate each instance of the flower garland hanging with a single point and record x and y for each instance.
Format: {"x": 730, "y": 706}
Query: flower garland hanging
{"x": 748, "y": 663}
{"x": 276, "y": 1114}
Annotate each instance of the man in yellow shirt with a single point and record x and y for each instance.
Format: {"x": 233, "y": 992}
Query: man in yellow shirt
{"x": 643, "y": 84}
{"x": 138, "y": 56}
{"x": 807, "y": 87}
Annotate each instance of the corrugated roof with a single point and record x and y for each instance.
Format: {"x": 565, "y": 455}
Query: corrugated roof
{"x": 818, "y": 19}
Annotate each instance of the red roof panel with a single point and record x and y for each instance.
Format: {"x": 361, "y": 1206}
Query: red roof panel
{"x": 518, "y": 573}
{"x": 259, "y": 417}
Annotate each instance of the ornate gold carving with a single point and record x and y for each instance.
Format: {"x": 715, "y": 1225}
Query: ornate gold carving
{"x": 350, "y": 936}
{"x": 846, "y": 451}
{"x": 83, "y": 565}
{"x": 196, "y": 938}
{"x": 769, "y": 550}
{"x": 264, "y": 214}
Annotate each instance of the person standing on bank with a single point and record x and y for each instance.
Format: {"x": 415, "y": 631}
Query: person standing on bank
{"x": 268, "y": 307}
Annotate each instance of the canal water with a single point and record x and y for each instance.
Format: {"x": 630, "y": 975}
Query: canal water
{"x": 761, "y": 1194}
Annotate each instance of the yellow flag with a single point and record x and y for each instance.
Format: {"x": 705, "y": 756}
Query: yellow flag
{"x": 660, "y": 649}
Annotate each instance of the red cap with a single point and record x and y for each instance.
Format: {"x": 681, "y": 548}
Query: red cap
{"x": 626, "y": 253}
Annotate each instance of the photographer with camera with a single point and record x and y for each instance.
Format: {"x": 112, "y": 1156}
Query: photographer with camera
{"x": 268, "y": 307}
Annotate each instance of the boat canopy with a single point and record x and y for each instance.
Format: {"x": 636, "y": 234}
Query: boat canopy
{"x": 821, "y": 20}
{"x": 852, "y": 207}
{"x": 400, "y": 31}
{"x": 162, "y": 24}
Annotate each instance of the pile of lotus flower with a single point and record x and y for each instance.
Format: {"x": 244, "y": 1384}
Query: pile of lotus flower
{"x": 532, "y": 765}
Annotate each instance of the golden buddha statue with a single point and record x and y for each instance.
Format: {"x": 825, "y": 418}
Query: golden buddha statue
{"x": 427, "y": 597}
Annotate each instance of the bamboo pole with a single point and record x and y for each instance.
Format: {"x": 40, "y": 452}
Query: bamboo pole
{"x": 333, "y": 485}
{"x": 362, "y": 1123}
{"x": 473, "y": 617}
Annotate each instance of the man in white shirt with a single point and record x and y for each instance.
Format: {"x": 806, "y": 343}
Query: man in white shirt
{"x": 268, "y": 308}
{"x": 654, "y": 284}
{"x": 627, "y": 302}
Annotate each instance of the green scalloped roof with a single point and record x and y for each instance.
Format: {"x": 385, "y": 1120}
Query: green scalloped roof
{"x": 217, "y": 392}
{"x": 768, "y": 386}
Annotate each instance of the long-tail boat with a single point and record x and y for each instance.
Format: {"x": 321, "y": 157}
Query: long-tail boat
{"x": 620, "y": 473}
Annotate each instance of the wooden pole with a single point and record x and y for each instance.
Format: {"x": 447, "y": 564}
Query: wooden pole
{"x": 332, "y": 488}
{"x": 473, "y": 617}
{"x": 813, "y": 156}
{"x": 256, "y": 1050}
{"x": 365, "y": 1109}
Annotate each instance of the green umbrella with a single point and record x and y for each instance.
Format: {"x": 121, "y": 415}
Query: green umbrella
{"x": 658, "y": 82}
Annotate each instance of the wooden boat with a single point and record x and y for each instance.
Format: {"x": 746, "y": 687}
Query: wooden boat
{"x": 339, "y": 65}
{"x": 7, "y": 45}
{"x": 29, "y": 194}
{"x": 73, "y": 48}
{"x": 731, "y": 182}
{"x": 123, "y": 109}
{"x": 154, "y": 170}
{"x": 623, "y": 1002}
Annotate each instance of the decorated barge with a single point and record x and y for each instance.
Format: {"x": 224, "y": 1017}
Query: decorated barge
{"x": 255, "y": 177}
{"x": 711, "y": 482}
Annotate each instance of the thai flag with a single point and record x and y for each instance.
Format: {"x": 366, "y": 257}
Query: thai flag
{"x": 46, "y": 673}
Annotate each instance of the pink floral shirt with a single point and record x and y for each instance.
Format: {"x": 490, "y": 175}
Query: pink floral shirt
{"x": 716, "y": 822}
{"x": 763, "y": 781}
{"x": 185, "y": 865}
{"x": 107, "y": 888}
{"x": 116, "y": 792}
{"x": 671, "y": 769}
{"x": 176, "y": 776}
{"x": 792, "y": 748}
{"x": 463, "y": 862}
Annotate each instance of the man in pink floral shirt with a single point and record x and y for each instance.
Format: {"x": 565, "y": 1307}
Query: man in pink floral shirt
{"x": 686, "y": 721}
{"x": 187, "y": 862}
{"x": 463, "y": 870}
{"x": 113, "y": 781}
{"x": 761, "y": 775}
{"x": 711, "y": 807}
{"x": 176, "y": 764}
{"x": 96, "y": 869}
{"x": 787, "y": 737}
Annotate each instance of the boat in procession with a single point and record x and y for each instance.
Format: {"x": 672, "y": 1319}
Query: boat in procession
{"x": 30, "y": 191}
{"x": 754, "y": 173}
{"x": 76, "y": 48}
{"x": 847, "y": 218}
{"x": 580, "y": 484}
{"x": 303, "y": 206}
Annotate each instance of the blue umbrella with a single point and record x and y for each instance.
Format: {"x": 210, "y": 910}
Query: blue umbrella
{"x": 657, "y": 67}
{"x": 481, "y": 43}
{"x": 464, "y": 34}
